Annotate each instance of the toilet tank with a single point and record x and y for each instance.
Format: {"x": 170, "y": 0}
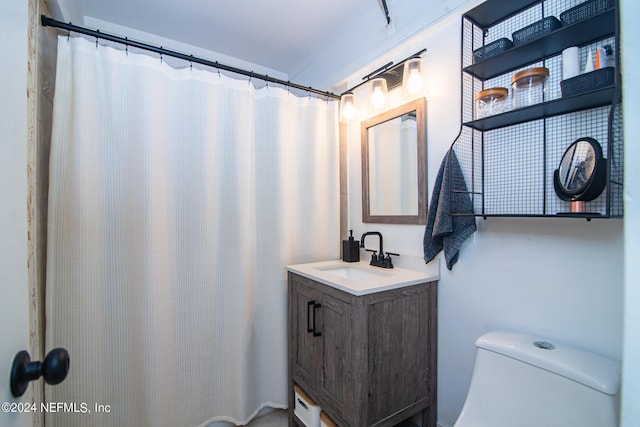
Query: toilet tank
{"x": 525, "y": 381}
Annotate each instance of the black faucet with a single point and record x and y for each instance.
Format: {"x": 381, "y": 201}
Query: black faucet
{"x": 378, "y": 260}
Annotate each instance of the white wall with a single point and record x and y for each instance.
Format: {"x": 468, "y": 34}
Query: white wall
{"x": 73, "y": 11}
{"x": 177, "y": 46}
{"x": 560, "y": 278}
{"x": 364, "y": 42}
{"x": 630, "y": 12}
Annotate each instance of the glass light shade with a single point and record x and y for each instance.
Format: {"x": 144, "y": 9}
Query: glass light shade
{"x": 378, "y": 92}
{"x": 412, "y": 78}
{"x": 347, "y": 107}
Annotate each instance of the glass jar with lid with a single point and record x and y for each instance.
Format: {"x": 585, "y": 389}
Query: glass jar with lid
{"x": 491, "y": 101}
{"x": 528, "y": 87}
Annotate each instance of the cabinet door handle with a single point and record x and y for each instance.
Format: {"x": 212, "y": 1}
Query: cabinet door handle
{"x": 310, "y": 305}
{"x": 316, "y": 333}
{"x": 304, "y": 405}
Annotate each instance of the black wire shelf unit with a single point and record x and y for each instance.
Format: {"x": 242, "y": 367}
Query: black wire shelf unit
{"x": 508, "y": 159}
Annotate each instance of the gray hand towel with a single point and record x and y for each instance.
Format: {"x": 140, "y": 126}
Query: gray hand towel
{"x": 443, "y": 230}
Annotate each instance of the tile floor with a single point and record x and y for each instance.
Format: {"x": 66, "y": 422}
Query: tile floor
{"x": 275, "y": 418}
{"x": 279, "y": 418}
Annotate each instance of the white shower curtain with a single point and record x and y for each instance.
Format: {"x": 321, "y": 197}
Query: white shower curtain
{"x": 177, "y": 197}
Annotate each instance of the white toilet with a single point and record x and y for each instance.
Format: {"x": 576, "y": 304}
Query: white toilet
{"x": 521, "y": 380}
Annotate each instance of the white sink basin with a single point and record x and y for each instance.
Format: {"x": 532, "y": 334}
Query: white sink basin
{"x": 359, "y": 278}
{"x": 354, "y": 272}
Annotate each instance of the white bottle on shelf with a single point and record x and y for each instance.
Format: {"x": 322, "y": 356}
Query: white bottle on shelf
{"x": 589, "y": 66}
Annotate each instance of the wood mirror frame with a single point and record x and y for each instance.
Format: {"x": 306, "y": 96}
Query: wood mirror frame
{"x": 420, "y": 217}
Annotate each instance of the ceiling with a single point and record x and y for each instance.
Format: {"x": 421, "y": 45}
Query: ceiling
{"x": 307, "y": 41}
{"x": 278, "y": 34}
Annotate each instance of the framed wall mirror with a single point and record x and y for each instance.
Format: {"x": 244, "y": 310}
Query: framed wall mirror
{"x": 394, "y": 165}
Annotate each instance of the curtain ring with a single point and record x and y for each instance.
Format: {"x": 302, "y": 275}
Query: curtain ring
{"x": 126, "y": 47}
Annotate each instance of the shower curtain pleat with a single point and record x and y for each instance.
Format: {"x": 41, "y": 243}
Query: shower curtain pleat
{"x": 177, "y": 197}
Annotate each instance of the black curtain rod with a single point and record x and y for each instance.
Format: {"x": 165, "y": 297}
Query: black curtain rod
{"x": 48, "y": 22}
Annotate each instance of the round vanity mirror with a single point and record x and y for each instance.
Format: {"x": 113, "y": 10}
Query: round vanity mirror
{"x": 581, "y": 176}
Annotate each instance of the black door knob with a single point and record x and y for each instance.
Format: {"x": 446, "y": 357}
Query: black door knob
{"x": 54, "y": 369}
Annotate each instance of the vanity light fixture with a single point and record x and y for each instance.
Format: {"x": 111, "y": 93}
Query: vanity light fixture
{"x": 379, "y": 92}
{"x": 408, "y": 73}
{"x": 347, "y": 107}
{"x": 412, "y": 79}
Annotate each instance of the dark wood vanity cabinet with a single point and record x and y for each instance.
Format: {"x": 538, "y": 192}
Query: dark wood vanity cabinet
{"x": 365, "y": 360}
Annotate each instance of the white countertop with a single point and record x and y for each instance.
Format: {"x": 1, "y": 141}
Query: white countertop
{"x": 360, "y": 278}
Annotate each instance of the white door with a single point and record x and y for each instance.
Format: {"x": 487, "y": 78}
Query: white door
{"x": 14, "y": 278}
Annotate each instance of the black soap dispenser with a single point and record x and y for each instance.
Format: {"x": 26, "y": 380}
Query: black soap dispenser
{"x": 351, "y": 249}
